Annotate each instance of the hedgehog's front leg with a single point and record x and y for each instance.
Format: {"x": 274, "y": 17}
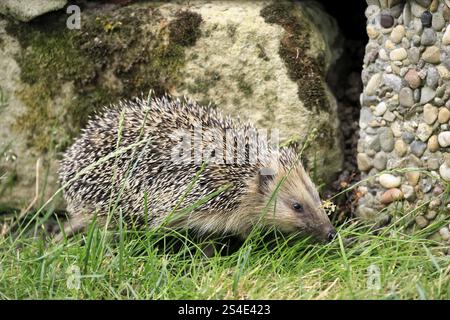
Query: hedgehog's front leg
{"x": 73, "y": 226}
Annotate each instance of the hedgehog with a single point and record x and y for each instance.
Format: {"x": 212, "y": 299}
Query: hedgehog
{"x": 127, "y": 166}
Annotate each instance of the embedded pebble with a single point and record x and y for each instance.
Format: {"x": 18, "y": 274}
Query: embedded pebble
{"x": 424, "y": 131}
{"x": 427, "y": 94}
{"x": 438, "y": 21}
{"x": 443, "y": 72}
{"x": 406, "y": 97}
{"x": 430, "y": 215}
{"x": 434, "y": 203}
{"x": 424, "y": 3}
{"x": 418, "y": 148}
{"x": 391, "y": 195}
{"x": 413, "y": 79}
{"x": 428, "y": 37}
{"x": 398, "y": 54}
{"x": 444, "y": 171}
{"x": 380, "y": 109}
{"x": 434, "y": 5}
{"x": 433, "y": 144}
{"x": 426, "y": 19}
{"x": 444, "y": 233}
{"x": 432, "y": 55}
{"x": 412, "y": 177}
{"x": 430, "y": 113}
{"x": 444, "y": 139}
{"x": 421, "y": 221}
{"x": 433, "y": 163}
{"x": 446, "y": 36}
{"x": 397, "y": 34}
{"x": 373, "y": 84}
{"x": 432, "y": 77}
{"x": 389, "y": 116}
{"x": 364, "y": 162}
{"x": 400, "y": 147}
{"x": 374, "y": 143}
{"x": 372, "y": 10}
{"x": 416, "y": 9}
{"x": 447, "y": 11}
{"x": 392, "y": 81}
{"x": 408, "y": 137}
{"x": 408, "y": 192}
{"x": 386, "y": 139}
{"x": 396, "y": 130}
{"x": 379, "y": 161}
{"x": 414, "y": 54}
{"x": 365, "y": 117}
{"x": 426, "y": 185}
{"x": 389, "y": 181}
{"x": 386, "y": 20}
{"x": 444, "y": 115}
{"x": 372, "y": 32}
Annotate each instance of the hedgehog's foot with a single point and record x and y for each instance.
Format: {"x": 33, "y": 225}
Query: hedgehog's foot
{"x": 208, "y": 250}
{"x": 72, "y": 227}
{"x": 223, "y": 246}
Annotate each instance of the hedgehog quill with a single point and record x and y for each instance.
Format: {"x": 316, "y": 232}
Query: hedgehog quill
{"x": 217, "y": 181}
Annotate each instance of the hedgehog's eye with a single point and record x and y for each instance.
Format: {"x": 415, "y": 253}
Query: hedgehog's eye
{"x": 297, "y": 207}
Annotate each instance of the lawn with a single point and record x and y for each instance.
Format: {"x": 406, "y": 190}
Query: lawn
{"x": 132, "y": 264}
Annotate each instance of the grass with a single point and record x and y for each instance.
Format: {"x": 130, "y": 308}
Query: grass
{"x": 163, "y": 264}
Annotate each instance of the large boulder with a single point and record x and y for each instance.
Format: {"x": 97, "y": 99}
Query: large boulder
{"x": 25, "y": 10}
{"x": 263, "y": 61}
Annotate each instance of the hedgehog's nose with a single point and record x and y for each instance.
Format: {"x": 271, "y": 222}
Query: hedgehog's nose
{"x": 331, "y": 234}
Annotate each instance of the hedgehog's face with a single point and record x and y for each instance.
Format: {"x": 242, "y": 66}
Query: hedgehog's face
{"x": 297, "y": 206}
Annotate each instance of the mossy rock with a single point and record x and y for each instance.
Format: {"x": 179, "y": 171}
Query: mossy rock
{"x": 234, "y": 56}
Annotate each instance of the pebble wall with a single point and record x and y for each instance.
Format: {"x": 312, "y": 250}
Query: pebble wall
{"x": 404, "y": 121}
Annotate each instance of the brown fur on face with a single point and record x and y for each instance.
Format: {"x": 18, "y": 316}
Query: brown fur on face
{"x": 291, "y": 186}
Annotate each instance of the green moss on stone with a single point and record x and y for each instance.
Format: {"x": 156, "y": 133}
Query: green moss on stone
{"x": 244, "y": 86}
{"x": 307, "y": 71}
{"x": 114, "y": 56}
{"x": 204, "y": 83}
{"x": 185, "y": 28}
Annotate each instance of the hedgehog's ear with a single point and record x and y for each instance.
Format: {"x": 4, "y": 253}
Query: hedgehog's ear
{"x": 266, "y": 175}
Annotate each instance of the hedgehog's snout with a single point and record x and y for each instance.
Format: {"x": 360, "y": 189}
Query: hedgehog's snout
{"x": 324, "y": 232}
{"x": 331, "y": 234}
